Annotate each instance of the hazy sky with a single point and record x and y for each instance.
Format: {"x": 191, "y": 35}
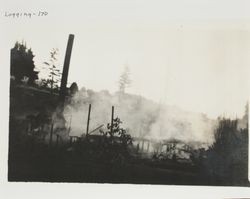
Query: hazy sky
{"x": 193, "y": 54}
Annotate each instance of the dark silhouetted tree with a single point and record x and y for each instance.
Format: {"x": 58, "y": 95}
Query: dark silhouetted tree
{"x": 245, "y": 117}
{"x": 73, "y": 89}
{"x": 124, "y": 81}
{"x": 227, "y": 157}
{"x": 225, "y": 136}
{"x": 118, "y": 137}
{"x": 54, "y": 72}
{"x": 22, "y": 64}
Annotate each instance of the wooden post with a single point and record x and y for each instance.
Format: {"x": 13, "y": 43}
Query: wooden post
{"x": 64, "y": 79}
{"x": 148, "y": 147}
{"x": 161, "y": 147}
{"x": 142, "y": 147}
{"x": 51, "y": 134}
{"x": 70, "y": 120}
{"x": 112, "y": 118}
{"x": 138, "y": 147}
{"x": 57, "y": 140}
{"x": 87, "y": 131}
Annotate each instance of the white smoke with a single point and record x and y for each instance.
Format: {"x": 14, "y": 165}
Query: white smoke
{"x": 140, "y": 116}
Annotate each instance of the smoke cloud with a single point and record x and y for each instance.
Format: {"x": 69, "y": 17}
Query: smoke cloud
{"x": 140, "y": 116}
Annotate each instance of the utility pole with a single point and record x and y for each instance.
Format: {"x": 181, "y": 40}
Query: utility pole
{"x": 87, "y": 131}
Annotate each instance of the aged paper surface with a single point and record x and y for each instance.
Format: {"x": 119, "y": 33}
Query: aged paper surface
{"x": 128, "y": 92}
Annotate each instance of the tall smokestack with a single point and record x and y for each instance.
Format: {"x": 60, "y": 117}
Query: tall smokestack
{"x": 64, "y": 79}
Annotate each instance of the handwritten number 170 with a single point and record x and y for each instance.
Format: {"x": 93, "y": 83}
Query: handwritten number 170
{"x": 42, "y": 13}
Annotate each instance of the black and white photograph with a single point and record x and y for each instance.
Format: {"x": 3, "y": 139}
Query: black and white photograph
{"x": 128, "y": 92}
